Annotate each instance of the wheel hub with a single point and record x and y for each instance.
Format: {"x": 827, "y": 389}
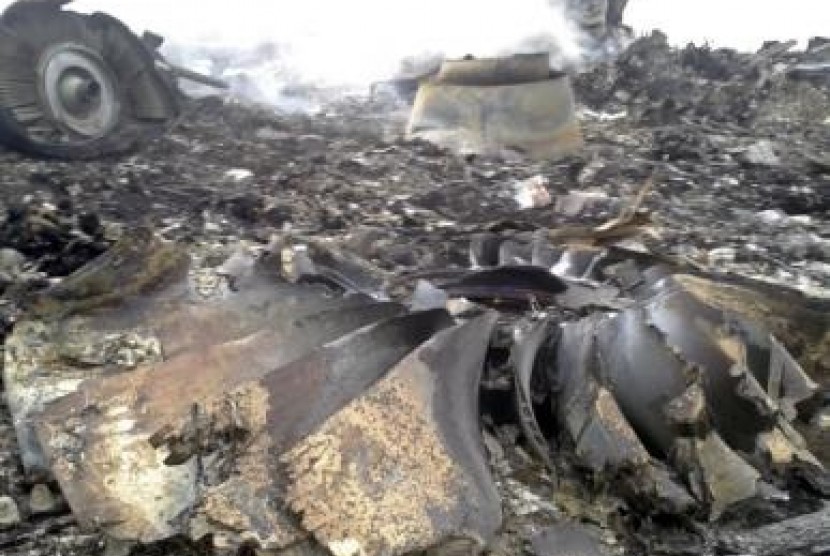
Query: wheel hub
{"x": 79, "y": 90}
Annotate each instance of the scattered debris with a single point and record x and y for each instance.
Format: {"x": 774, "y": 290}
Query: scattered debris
{"x": 370, "y": 348}
{"x": 304, "y": 392}
{"x": 806, "y": 534}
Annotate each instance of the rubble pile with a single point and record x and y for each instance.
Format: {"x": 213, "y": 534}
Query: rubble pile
{"x": 307, "y": 334}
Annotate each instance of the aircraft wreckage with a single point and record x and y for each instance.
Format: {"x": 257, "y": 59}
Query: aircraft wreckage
{"x": 282, "y": 400}
{"x": 298, "y": 400}
{"x": 81, "y": 86}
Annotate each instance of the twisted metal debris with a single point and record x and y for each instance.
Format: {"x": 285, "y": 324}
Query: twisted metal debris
{"x": 266, "y": 413}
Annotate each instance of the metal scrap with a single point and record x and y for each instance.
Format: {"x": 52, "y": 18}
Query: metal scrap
{"x": 208, "y": 433}
{"x": 406, "y": 459}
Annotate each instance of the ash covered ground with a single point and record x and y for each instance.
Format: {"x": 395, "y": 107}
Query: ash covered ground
{"x": 737, "y": 148}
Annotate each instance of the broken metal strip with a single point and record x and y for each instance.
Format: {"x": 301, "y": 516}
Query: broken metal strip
{"x": 523, "y": 359}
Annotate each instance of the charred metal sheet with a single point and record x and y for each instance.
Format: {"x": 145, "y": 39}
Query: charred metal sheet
{"x": 52, "y": 352}
{"x": 751, "y": 382}
{"x": 804, "y": 534}
{"x": 716, "y": 474}
{"x": 511, "y": 266}
{"x": 488, "y": 106}
{"x": 506, "y": 283}
{"x": 682, "y": 385}
{"x": 575, "y": 262}
{"x": 406, "y": 460}
{"x": 139, "y": 428}
{"x": 792, "y": 318}
{"x": 138, "y": 303}
{"x": 680, "y": 370}
{"x": 603, "y": 440}
{"x": 300, "y": 397}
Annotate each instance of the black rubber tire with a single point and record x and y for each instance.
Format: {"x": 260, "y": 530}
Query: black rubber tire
{"x": 148, "y": 99}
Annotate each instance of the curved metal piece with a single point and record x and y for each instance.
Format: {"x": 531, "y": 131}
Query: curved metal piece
{"x": 238, "y": 392}
{"x": 507, "y": 283}
{"x": 521, "y": 68}
{"x": 524, "y": 361}
{"x": 403, "y": 467}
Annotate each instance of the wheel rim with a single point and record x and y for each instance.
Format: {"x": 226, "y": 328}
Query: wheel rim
{"x": 79, "y": 91}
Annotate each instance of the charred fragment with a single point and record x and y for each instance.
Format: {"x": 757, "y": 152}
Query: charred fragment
{"x": 594, "y": 424}
{"x": 806, "y": 534}
{"x": 52, "y": 353}
{"x": 405, "y": 460}
{"x": 674, "y": 382}
{"x": 297, "y": 399}
{"x": 245, "y": 407}
{"x": 520, "y": 284}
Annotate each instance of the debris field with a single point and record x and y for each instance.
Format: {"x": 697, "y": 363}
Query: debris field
{"x": 283, "y": 333}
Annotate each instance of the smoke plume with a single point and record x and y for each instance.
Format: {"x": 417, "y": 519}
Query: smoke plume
{"x": 267, "y": 47}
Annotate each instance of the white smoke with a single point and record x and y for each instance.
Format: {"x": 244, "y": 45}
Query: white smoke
{"x": 262, "y": 46}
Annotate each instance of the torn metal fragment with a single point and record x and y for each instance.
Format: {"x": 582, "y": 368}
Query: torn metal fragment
{"x": 506, "y": 283}
{"x": 522, "y": 68}
{"x": 403, "y": 467}
{"x": 139, "y": 428}
{"x": 248, "y": 505}
{"x": 136, "y": 304}
{"x": 686, "y": 376}
{"x": 315, "y": 262}
{"x": 676, "y": 382}
{"x": 804, "y": 534}
{"x": 716, "y": 474}
{"x": 593, "y": 422}
{"x": 524, "y": 357}
{"x": 52, "y": 351}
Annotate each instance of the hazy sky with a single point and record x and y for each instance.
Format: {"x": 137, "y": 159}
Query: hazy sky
{"x": 744, "y": 24}
{"x": 739, "y": 23}
{"x": 362, "y": 41}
